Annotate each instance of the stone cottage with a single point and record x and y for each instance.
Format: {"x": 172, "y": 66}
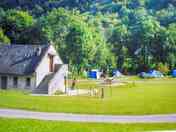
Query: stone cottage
{"x": 37, "y": 68}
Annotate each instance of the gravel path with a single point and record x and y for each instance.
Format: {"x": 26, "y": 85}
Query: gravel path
{"x": 12, "y": 113}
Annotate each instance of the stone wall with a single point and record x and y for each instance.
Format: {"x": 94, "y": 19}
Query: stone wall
{"x": 21, "y": 83}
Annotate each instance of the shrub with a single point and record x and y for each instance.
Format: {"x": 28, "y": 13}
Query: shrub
{"x": 164, "y": 68}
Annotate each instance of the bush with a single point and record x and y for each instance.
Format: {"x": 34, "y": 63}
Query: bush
{"x": 164, "y": 68}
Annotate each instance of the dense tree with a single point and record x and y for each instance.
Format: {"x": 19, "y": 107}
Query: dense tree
{"x": 20, "y": 27}
{"x": 171, "y": 45}
{"x": 134, "y": 35}
{"x": 78, "y": 43}
{"x": 3, "y": 39}
{"x": 147, "y": 30}
{"x": 119, "y": 39}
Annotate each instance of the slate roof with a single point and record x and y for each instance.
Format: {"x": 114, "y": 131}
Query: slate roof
{"x": 21, "y": 59}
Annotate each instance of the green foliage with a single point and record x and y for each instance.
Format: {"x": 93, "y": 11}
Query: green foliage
{"x": 79, "y": 43}
{"x": 163, "y": 68}
{"x": 119, "y": 39}
{"x": 131, "y": 35}
{"x": 19, "y": 18}
{"x": 3, "y": 38}
{"x": 20, "y": 27}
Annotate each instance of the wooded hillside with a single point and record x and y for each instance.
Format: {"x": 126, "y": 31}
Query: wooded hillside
{"x": 131, "y": 35}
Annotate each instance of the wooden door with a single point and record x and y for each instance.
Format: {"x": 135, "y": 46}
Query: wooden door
{"x": 4, "y": 82}
{"x": 51, "y": 63}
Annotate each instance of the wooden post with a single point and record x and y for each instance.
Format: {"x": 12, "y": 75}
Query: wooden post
{"x": 110, "y": 82}
{"x": 102, "y": 93}
{"x": 134, "y": 84}
{"x": 110, "y": 90}
{"x": 90, "y": 91}
{"x": 65, "y": 82}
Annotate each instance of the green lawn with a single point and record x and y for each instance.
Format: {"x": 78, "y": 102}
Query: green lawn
{"x": 21, "y": 125}
{"x": 154, "y": 96}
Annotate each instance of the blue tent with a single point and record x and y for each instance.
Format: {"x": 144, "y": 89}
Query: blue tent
{"x": 94, "y": 74}
{"x": 151, "y": 74}
{"x": 156, "y": 74}
{"x": 117, "y": 73}
{"x": 174, "y": 73}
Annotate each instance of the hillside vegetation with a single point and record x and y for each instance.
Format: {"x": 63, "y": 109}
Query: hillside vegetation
{"x": 132, "y": 35}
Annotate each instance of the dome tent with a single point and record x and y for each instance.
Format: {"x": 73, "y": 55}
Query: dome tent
{"x": 94, "y": 74}
{"x": 156, "y": 74}
{"x": 151, "y": 74}
{"x": 174, "y": 73}
{"x": 117, "y": 73}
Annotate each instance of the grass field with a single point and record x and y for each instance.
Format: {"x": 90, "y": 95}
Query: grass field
{"x": 21, "y": 125}
{"x": 154, "y": 96}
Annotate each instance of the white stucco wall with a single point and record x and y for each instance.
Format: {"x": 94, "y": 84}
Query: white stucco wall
{"x": 43, "y": 68}
{"x": 58, "y": 81}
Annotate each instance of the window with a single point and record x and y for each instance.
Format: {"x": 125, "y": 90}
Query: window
{"x": 15, "y": 82}
{"x": 28, "y": 82}
{"x": 4, "y": 81}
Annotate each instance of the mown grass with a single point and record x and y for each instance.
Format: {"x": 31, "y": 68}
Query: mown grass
{"x": 154, "y": 96}
{"x": 21, "y": 125}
